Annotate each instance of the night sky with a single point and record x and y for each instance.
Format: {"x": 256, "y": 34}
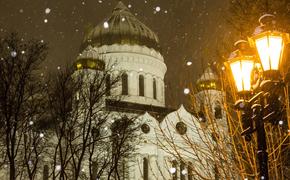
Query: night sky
{"x": 189, "y": 30}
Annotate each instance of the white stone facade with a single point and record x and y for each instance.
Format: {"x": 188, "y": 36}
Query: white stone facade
{"x": 134, "y": 60}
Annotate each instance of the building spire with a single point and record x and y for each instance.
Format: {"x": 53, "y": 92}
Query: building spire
{"x": 120, "y": 6}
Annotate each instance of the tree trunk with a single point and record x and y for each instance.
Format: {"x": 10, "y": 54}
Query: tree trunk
{"x": 12, "y": 173}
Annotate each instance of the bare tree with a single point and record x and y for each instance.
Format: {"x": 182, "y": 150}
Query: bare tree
{"x": 81, "y": 140}
{"x": 19, "y": 86}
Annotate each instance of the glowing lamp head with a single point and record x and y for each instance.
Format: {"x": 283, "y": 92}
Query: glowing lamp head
{"x": 241, "y": 67}
{"x": 270, "y": 46}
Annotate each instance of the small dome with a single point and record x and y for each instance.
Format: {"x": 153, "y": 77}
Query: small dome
{"x": 122, "y": 27}
{"x": 89, "y": 59}
{"x": 208, "y": 80}
{"x": 208, "y": 75}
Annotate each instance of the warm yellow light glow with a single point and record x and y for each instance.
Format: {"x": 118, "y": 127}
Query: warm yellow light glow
{"x": 79, "y": 66}
{"x": 242, "y": 70}
{"x": 270, "y": 51}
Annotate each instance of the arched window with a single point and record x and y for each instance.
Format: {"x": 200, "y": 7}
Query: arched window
{"x": 124, "y": 84}
{"x": 145, "y": 169}
{"x": 141, "y": 85}
{"x": 218, "y": 112}
{"x": 108, "y": 85}
{"x": 154, "y": 89}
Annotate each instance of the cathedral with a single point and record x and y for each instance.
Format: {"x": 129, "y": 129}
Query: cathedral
{"x": 131, "y": 48}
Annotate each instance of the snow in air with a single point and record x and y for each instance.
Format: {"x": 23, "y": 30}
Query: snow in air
{"x": 183, "y": 172}
{"x": 189, "y": 63}
{"x": 281, "y": 122}
{"x": 47, "y": 10}
{"x": 45, "y": 21}
{"x": 58, "y": 167}
{"x": 41, "y": 135}
{"x": 186, "y": 91}
{"x": 172, "y": 170}
{"x": 106, "y": 25}
{"x": 13, "y": 53}
{"x": 157, "y": 8}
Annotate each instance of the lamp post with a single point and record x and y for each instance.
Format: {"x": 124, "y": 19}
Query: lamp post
{"x": 264, "y": 105}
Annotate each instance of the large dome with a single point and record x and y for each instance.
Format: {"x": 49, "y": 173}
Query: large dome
{"x": 122, "y": 27}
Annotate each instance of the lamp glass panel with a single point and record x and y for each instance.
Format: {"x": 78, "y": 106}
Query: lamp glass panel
{"x": 242, "y": 74}
{"x": 270, "y": 49}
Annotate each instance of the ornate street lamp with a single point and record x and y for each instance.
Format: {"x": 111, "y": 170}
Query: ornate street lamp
{"x": 270, "y": 44}
{"x": 265, "y": 104}
{"x": 241, "y": 63}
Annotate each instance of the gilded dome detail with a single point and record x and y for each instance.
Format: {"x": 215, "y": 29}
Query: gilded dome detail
{"x": 122, "y": 27}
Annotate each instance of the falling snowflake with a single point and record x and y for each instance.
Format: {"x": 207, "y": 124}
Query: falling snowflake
{"x": 123, "y": 19}
{"x": 58, "y": 167}
{"x": 129, "y": 6}
{"x": 45, "y": 21}
{"x": 47, "y": 10}
{"x": 189, "y": 63}
{"x": 165, "y": 11}
{"x": 21, "y": 10}
{"x": 22, "y": 52}
{"x": 157, "y": 9}
{"x": 186, "y": 91}
{"x": 100, "y": 1}
{"x": 13, "y": 53}
{"x": 183, "y": 172}
{"x": 41, "y": 135}
{"x": 58, "y": 67}
{"x": 42, "y": 41}
{"x": 172, "y": 170}
{"x": 30, "y": 123}
{"x": 106, "y": 25}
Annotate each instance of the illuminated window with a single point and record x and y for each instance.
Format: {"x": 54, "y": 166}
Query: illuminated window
{"x": 79, "y": 66}
{"x": 141, "y": 85}
{"x": 124, "y": 84}
{"x": 154, "y": 89}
